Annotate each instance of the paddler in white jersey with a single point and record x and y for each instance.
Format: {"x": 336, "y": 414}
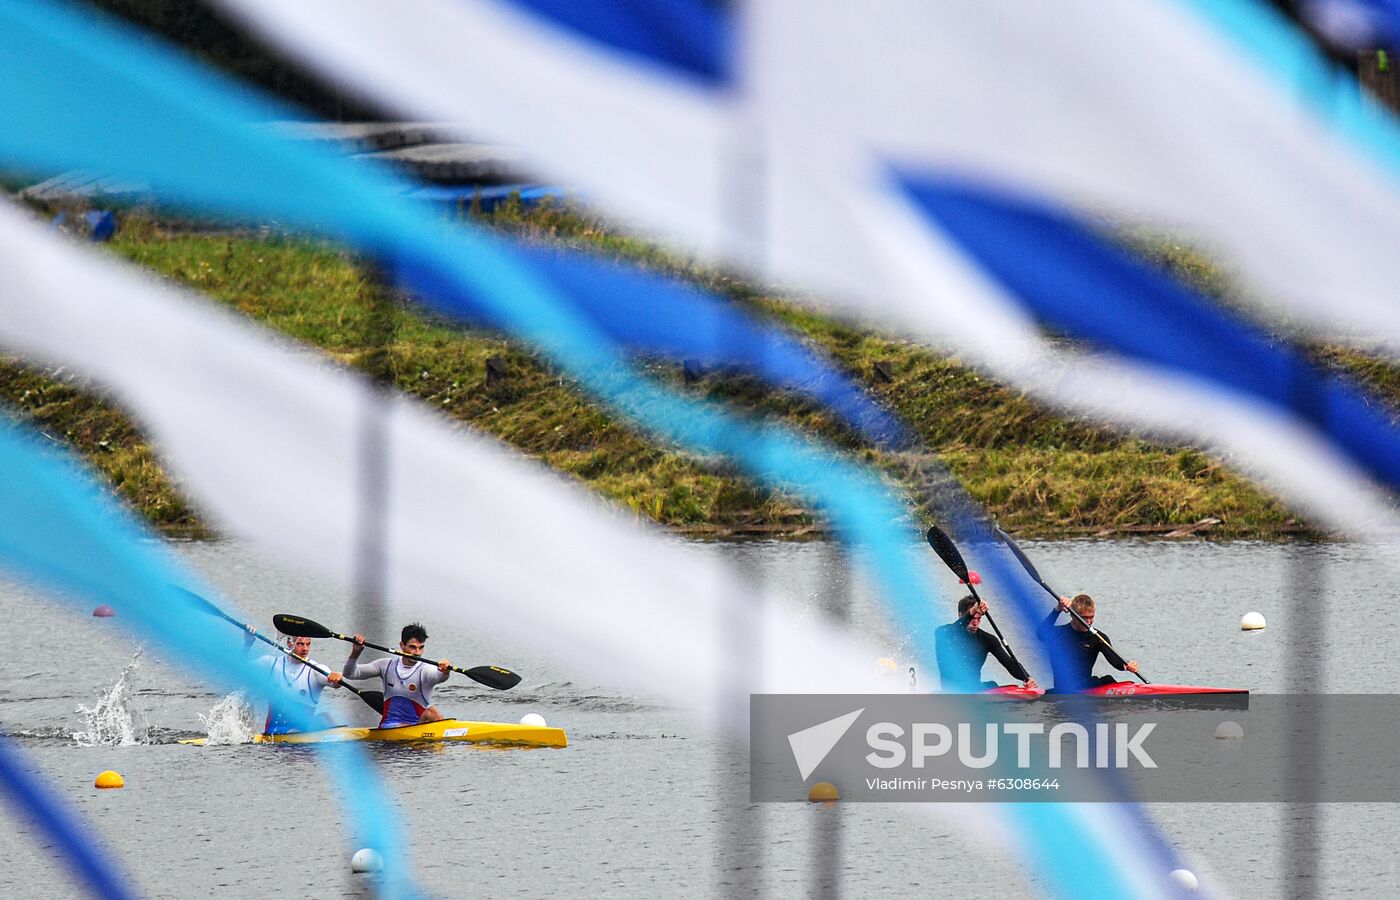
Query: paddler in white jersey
{"x": 408, "y": 685}
{"x": 304, "y": 682}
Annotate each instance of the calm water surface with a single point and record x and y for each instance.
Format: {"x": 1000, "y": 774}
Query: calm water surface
{"x": 643, "y": 801}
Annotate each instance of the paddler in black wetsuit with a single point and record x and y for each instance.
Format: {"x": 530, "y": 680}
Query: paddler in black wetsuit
{"x": 962, "y": 647}
{"x": 1073, "y": 649}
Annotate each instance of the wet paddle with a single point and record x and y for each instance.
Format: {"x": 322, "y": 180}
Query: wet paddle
{"x": 491, "y": 676}
{"x": 1115, "y": 658}
{"x": 943, "y": 546}
{"x": 373, "y": 699}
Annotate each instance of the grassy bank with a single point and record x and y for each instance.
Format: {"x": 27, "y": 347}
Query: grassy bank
{"x": 1038, "y": 472}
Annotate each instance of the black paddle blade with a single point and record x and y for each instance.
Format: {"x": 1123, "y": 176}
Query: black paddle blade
{"x": 204, "y": 605}
{"x": 1020, "y": 557}
{"x": 943, "y": 546}
{"x": 494, "y": 677}
{"x": 296, "y": 626}
{"x": 208, "y": 608}
{"x": 374, "y": 699}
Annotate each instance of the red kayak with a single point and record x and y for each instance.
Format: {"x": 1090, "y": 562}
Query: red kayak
{"x": 1119, "y": 689}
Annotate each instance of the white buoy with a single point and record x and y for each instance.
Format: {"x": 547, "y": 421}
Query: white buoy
{"x": 366, "y": 860}
{"x": 1252, "y": 621}
{"x": 533, "y": 719}
{"x": 1229, "y": 731}
{"x": 1184, "y": 879}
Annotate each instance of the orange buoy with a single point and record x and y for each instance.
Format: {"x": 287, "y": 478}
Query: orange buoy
{"x": 109, "y": 779}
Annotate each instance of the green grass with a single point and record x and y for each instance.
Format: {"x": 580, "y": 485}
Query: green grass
{"x": 1039, "y": 472}
{"x": 66, "y": 413}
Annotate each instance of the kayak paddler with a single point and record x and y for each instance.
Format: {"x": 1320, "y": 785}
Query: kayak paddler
{"x": 407, "y": 685}
{"x": 961, "y": 648}
{"x": 1074, "y": 649}
{"x": 301, "y": 680}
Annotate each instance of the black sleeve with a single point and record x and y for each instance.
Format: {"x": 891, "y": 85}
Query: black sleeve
{"x": 942, "y": 653}
{"x": 1012, "y": 666}
{"x": 1044, "y": 631}
{"x": 1108, "y": 658}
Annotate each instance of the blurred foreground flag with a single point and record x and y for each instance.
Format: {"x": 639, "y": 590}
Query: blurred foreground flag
{"x": 1343, "y": 27}
{"x": 756, "y": 139}
{"x": 805, "y": 141}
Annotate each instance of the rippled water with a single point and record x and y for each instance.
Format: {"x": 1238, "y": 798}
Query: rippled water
{"x": 643, "y": 802}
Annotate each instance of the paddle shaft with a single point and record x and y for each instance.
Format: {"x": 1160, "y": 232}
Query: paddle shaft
{"x": 1113, "y": 655}
{"x": 492, "y": 676}
{"x": 374, "y": 699}
{"x": 422, "y": 659}
{"x": 1007, "y": 647}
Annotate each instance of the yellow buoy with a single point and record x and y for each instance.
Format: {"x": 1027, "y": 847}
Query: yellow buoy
{"x": 109, "y": 779}
{"x": 823, "y": 792}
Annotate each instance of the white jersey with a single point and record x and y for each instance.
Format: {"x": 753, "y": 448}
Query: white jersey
{"x": 300, "y": 679}
{"x": 408, "y": 686}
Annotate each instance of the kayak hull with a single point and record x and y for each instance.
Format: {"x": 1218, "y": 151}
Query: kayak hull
{"x": 1125, "y": 689}
{"x": 497, "y": 733}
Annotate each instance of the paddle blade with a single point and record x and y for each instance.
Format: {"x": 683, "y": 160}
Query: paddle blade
{"x": 943, "y": 546}
{"x": 204, "y": 605}
{"x": 1020, "y": 557}
{"x": 494, "y": 677}
{"x": 208, "y": 608}
{"x": 374, "y": 700}
{"x": 296, "y": 626}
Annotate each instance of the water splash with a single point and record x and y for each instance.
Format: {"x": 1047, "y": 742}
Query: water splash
{"x": 111, "y": 721}
{"x": 230, "y": 721}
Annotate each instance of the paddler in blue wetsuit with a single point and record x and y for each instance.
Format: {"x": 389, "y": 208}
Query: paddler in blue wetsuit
{"x": 301, "y": 680}
{"x": 408, "y": 685}
{"x": 961, "y": 648}
{"x": 1073, "y": 650}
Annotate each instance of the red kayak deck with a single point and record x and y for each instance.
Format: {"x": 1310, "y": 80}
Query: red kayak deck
{"x": 1118, "y": 689}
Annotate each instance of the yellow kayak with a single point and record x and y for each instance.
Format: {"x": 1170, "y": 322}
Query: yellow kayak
{"x": 446, "y": 730}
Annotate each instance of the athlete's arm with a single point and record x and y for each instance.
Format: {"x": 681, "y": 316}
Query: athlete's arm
{"x": 1129, "y": 667}
{"x": 317, "y": 676}
{"x": 356, "y": 646}
{"x": 1012, "y": 666}
{"x": 357, "y": 671}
